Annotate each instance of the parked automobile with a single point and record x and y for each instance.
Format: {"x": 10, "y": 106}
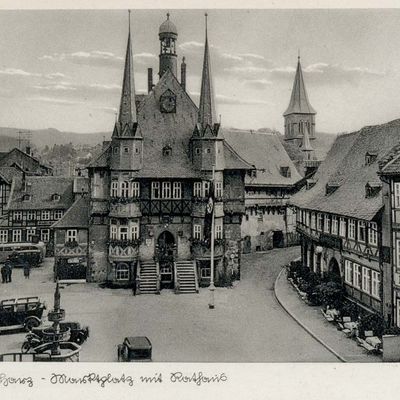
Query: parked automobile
{"x": 21, "y": 313}
{"x": 19, "y": 253}
{"x": 77, "y": 333}
{"x": 135, "y": 348}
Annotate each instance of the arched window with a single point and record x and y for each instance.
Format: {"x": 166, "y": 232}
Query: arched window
{"x": 124, "y": 189}
{"x": 122, "y": 272}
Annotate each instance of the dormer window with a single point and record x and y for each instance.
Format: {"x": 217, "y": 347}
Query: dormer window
{"x": 197, "y": 151}
{"x": 55, "y": 197}
{"x": 285, "y": 172}
{"x": 310, "y": 183}
{"x": 167, "y": 151}
{"x": 372, "y": 189}
{"x": 26, "y": 197}
{"x": 331, "y": 188}
{"x": 126, "y": 150}
{"x": 370, "y": 157}
{"x": 252, "y": 173}
{"x": 115, "y": 150}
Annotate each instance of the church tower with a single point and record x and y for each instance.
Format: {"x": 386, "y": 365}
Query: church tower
{"x": 207, "y": 138}
{"x": 126, "y": 140}
{"x": 300, "y": 115}
{"x": 168, "y": 35}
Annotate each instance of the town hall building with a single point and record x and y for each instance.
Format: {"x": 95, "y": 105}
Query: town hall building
{"x": 150, "y": 186}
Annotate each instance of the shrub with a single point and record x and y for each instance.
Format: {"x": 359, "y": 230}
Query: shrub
{"x": 371, "y": 322}
{"x": 349, "y": 309}
{"x": 330, "y": 294}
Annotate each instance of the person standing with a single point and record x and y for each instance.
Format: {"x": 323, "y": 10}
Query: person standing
{"x": 27, "y": 269}
{"x": 8, "y": 271}
{"x": 3, "y": 274}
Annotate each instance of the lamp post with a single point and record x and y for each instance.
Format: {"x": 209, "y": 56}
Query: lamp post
{"x": 211, "y": 303}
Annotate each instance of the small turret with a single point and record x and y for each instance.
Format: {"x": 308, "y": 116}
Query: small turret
{"x": 168, "y": 35}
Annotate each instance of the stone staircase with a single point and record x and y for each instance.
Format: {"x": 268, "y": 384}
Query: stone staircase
{"x": 186, "y": 276}
{"x": 148, "y": 277}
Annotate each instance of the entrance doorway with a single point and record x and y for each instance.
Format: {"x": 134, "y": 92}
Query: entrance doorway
{"x": 166, "y": 256}
{"x": 278, "y": 239}
{"x": 334, "y": 270}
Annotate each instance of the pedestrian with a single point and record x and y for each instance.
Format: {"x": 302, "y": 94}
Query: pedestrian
{"x": 3, "y": 274}
{"x": 134, "y": 288}
{"x": 8, "y": 271}
{"x": 27, "y": 269}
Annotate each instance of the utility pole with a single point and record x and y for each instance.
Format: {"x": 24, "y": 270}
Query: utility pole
{"x": 211, "y": 304}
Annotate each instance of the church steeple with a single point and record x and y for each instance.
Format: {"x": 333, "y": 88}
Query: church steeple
{"x": 299, "y": 102}
{"x": 127, "y": 109}
{"x": 207, "y": 114}
{"x": 300, "y": 115}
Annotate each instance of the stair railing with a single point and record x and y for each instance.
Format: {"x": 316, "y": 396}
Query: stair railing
{"x": 196, "y": 279}
{"x": 176, "y": 280}
{"x": 137, "y": 282}
{"x": 158, "y": 284}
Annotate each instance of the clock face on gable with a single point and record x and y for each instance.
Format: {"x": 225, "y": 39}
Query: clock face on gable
{"x": 168, "y": 102}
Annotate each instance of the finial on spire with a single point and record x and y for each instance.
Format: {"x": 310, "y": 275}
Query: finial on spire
{"x": 206, "y": 16}
{"x": 168, "y": 15}
{"x": 129, "y": 21}
{"x": 298, "y": 54}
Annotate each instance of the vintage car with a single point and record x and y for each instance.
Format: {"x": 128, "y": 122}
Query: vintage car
{"x": 21, "y": 313}
{"x": 76, "y": 333}
{"x": 135, "y": 348}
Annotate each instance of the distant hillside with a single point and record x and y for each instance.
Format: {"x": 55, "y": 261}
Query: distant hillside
{"x": 50, "y": 137}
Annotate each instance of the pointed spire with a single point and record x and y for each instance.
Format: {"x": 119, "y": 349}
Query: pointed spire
{"x": 299, "y": 103}
{"x": 207, "y": 102}
{"x": 127, "y": 109}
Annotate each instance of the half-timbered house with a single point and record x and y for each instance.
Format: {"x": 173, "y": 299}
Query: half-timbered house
{"x": 340, "y": 217}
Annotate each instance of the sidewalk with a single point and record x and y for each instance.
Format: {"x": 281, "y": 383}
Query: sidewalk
{"x": 311, "y": 319}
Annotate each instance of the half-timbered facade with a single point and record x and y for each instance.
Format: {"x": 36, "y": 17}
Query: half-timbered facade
{"x": 390, "y": 178}
{"x": 36, "y": 203}
{"x": 71, "y": 243}
{"x": 268, "y": 222}
{"x": 340, "y": 216}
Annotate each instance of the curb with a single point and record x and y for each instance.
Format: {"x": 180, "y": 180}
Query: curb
{"x": 297, "y": 320}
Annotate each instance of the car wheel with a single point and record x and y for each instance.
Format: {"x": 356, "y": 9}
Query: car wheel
{"x": 25, "y": 347}
{"x": 31, "y": 323}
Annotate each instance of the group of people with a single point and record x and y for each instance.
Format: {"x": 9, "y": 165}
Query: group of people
{"x": 6, "y": 271}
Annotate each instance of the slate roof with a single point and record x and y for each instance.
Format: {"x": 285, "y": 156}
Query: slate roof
{"x": 8, "y": 173}
{"x": 41, "y": 189}
{"x": 390, "y": 164}
{"x": 299, "y": 103}
{"x": 345, "y": 163}
{"x": 266, "y": 153}
{"x": 77, "y": 215}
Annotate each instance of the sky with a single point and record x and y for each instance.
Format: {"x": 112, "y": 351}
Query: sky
{"x": 63, "y": 68}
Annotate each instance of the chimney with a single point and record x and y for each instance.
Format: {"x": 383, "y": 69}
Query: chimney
{"x": 149, "y": 79}
{"x": 24, "y": 186}
{"x": 183, "y": 74}
{"x": 28, "y": 150}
